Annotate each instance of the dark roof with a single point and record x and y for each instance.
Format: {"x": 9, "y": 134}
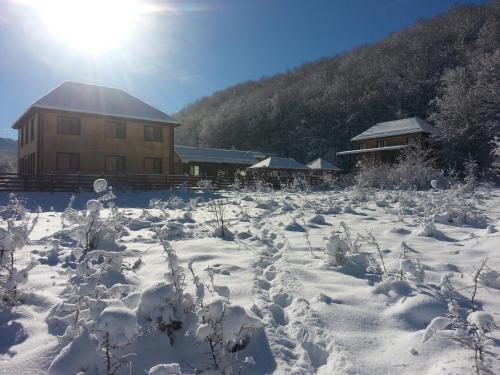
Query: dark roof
{"x": 100, "y": 100}
{"x": 396, "y": 127}
{"x": 216, "y": 155}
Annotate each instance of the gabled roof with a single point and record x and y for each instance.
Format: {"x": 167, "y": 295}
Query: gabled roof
{"x": 214, "y": 155}
{"x": 396, "y": 127}
{"x": 322, "y": 164}
{"x": 99, "y": 100}
{"x": 275, "y": 162}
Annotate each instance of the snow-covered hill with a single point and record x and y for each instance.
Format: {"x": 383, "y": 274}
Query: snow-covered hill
{"x": 341, "y": 282}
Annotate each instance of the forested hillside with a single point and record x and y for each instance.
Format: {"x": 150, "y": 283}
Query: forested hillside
{"x": 445, "y": 70}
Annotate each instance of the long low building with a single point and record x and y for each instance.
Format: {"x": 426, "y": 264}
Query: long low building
{"x": 199, "y": 161}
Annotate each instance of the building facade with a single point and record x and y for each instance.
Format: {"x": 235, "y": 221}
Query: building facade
{"x": 385, "y": 140}
{"x": 200, "y": 161}
{"x": 88, "y": 129}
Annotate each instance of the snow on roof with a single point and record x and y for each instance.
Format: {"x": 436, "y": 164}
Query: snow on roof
{"x": 214, "y": 155}
{"x": 99, "y": 100}
{"x": 322, "y": 164}
{"x": 396, "y": 127}
{"x": 376, "y": 149}
{"x": 275, "y": 162}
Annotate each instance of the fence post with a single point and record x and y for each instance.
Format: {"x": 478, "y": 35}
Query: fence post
{"x": 218, "y": 181}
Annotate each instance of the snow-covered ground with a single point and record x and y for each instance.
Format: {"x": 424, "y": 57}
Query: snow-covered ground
{"x": 304, "y": 266}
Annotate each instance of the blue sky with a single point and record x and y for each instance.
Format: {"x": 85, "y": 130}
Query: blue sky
{"x": 185, "y": 50}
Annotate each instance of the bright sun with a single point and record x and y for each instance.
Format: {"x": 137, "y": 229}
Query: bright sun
{"x": 93, "y": 26}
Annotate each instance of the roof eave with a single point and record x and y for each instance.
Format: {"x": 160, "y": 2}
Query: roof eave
{"x": 15, "y": 124}
{"x": 374, "y": 149}
{"x": 393, "y": 134}
{"x": 193, "y": 160}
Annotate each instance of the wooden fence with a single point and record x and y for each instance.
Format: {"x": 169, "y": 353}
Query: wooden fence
{"x": 84, "y": 182}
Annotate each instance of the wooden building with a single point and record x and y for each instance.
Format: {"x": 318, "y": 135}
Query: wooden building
{"x": 199, "y": 161}
{"x": 90, "y": 129}
{"x": 385, "y": 140}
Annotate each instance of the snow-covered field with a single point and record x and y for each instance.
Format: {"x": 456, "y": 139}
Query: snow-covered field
{"x": 340, "y": 282}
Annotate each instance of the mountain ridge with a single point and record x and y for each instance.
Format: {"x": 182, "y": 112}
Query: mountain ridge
{"x": 313, "y": 110}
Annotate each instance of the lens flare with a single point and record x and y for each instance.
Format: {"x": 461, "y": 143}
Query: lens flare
{"x": 91, "y": 25}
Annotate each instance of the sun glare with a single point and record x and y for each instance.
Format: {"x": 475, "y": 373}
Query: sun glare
{"x": 93, "y": 26}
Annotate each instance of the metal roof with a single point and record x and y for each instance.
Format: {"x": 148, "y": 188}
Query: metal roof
{"x": 99, "y": 100}
{"x": 322, "y": 164}
{"x": 275, "y": 162}
{"x": 214, "y": 155}
{"x": 396, "y": 127}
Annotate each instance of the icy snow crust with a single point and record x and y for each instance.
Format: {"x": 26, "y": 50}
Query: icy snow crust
{"x": 310, "y": 300}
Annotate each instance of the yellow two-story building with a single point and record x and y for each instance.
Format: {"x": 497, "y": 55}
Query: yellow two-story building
{"x": 90, "y": 129}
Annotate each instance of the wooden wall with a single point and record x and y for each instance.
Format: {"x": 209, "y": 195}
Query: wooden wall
{"x": 93, "y": 145}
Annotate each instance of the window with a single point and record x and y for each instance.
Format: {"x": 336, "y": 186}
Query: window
{"x": 26, "y": 135}
{"x": 381, "y": 143}
{"x": 153, "y": 133}
{"x": 115, "y": 164}
{"x": 67, "y": 161}
{"x": 68, "y": 125}
{"x": 362, "y": 146}
{"x": 32, "y": 131}
{"x": 152, "y": 165}
{"x": 22, "y": 136}
{"x": 194, "y": 170}
{"x": 115, "y": 129}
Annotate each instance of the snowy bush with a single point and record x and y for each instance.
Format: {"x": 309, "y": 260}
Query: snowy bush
{"x": 413, "y": 169}
{"x": 205, "y": 185}
{"x": 469, "y": 326}
{"x": 18, "y": 225}
{"x": 90, "y": 228}
{"x": 263, "y": 187}
{"x": 226, "y": 329}
{"x": 217, "y": 209}
{"x": 300, "y": 184}
{"x": 344, "y": 253}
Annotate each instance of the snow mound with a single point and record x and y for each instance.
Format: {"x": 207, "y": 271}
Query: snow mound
{"x": 165, "y": 369}
{"x": 120, "y": 324}
{"x": 79, "y": 355}
{"x": 482, "y": 319}
{"x": 94, "y": 206}
{"x": 156, "y": 302}
{"x": 318, "y": 219}
{"x": 136, "y": 224}
{"x": 237, "y": 323}
{"x": 437, "y": 324}
{"x": 175, "y": 231}
{"x": 224, "y": 233}
{"x": 100, "y": 185}
{"x": 294, "y": 227}
{"x": 490, "y": 278}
